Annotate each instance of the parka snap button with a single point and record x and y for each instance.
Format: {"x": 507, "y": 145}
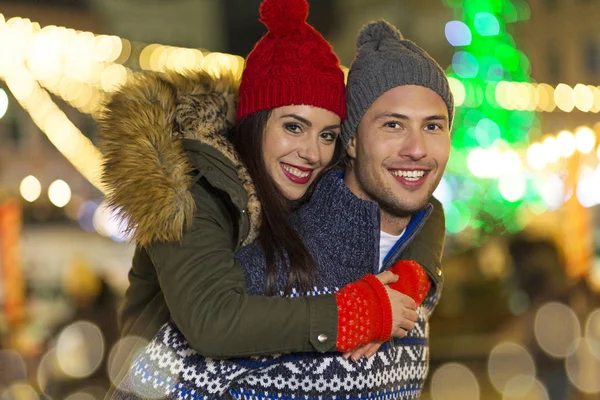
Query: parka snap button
{"x": 438, "y": 271}
{"x": 243, "y": 211}
{"x": 322, "y": 338}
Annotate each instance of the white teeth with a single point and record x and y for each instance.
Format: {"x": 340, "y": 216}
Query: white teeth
{"x": 409, "y": 175}
{"x": 295, "y": 171}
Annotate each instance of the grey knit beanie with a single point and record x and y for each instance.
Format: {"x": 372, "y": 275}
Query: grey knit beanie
{"x": 383, "y": 61}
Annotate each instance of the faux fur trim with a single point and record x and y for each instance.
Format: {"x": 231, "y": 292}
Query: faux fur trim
{"x": 146, "y": 171}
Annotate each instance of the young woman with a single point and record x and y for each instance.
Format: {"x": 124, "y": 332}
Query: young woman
{"x": 193, "y": 198}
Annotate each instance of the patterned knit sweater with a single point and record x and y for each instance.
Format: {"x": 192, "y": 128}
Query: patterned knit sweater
{"x": 342, "y": 233}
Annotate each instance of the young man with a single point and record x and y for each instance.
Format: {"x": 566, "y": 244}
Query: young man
{"x": 359, "y": 221}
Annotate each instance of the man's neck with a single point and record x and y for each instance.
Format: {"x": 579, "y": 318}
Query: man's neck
{"x": 390, "y": 224}
{"x": 393, "y": 225}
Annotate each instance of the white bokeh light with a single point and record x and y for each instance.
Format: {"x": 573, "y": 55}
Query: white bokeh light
{"x": 508, "y": 361}
{"x": 556, "y": 329}
{"x": 454, "y": 381}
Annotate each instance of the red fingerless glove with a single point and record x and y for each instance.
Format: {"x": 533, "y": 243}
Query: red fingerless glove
{"x": 364, "y": 313}
{"x": 413, "y": 280}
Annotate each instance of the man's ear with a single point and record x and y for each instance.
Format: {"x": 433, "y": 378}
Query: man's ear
{"x": 351, "y": 147}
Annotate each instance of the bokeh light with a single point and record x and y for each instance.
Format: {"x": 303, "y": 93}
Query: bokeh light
{"x": 12, "y": 368}
{"x": 454, "y": 381}
{"x": 30, "y": 188}
{"x": 122, "y": 355}
{"x": 59, "y": 193}
{"x": 508, "y": 361}
{"x": 536, "y": 156}
{"x": 556, "y": 329}
{"x": 592, "y": 332}
{"x": 465, "y": 65}
{"x": 486, "y": 24}
{"x": 458, "y": 33}
{"x": 80, "y": 349}
{"x": 458, "y": 91}
{"x": 520, "y": 388}
{"x": 582, "y": 366}
{"x": 564, "y": 98}
{"x": 566, "y": 143}
{"x": 3, "y": 103}
{"x": 20, "y": 391}
{"x": 512, "y": 187}
{"x": 585, "y": 139}
{"x": 106, "y": 222}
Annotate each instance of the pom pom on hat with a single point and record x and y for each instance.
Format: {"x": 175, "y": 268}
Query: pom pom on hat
{"x": 283, "y": 16}
{"x": 376, "y": 32}
{"x": 290, "y": 65}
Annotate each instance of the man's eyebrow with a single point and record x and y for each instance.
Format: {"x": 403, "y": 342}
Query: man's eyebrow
{"x": 390, "y": 115}
{"x": 406, "y": 118}
{"x": 437, "y": 118}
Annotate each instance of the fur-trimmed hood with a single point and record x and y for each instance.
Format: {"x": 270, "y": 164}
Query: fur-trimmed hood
{"x": 146, "y": 171}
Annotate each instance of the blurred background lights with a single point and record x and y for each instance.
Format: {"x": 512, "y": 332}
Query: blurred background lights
{"x": 3, "y": 103}
{"x": 107, "y": 223}
{"x": 486, "y": 24}
{"x": 454, "y": 381}
{"x": 512, "y": 187}
{"x": 59, "y": 193}
{"x": 584, "y": 97}
{"x": 556, "y": 329}
{"x": 12, "y": 368}
{"x": 458, "y": 33}
{"x": 536, "y": 157}
{"x": 585, "y": 139}
{"x": 123, "y": 353}
{"x": 582, "y": 366}
{"x": 566, "y": 143}
{"x": 443, "y": 192}
{"x": 592, "y": 332}
{"x": 508, "y": 361}
{"x": 458, "y": 91}
{"x": 80, "y": 349}
{"x": 551, "y": 149}
{"x": 465, "y": 64}
{"x": 30, "y": 188}
{"x": 563, "y": 97}
{"x": 20, "y": 391}
{"x": 521, "y": 388}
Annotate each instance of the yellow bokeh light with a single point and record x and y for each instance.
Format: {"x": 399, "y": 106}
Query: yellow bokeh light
{"x": 563, "y": 97}
{"x": 512, "y": 187}
{"x": 556, "y": 329}
{"x": 584, "y": 97}
{"x": 113, "y": 77}
{"x": 596, "y": 104}
{"x": 545, "y": 97}
{"x": 454, "y": 381}
{"x": 536, "y": 157}
{"x": 59, "y": 193}
{"x": 508, "y": 361}
{"x": 108, "y": 48}
{"x": 585, "y": 139}
{"x": 502, "y": 89}
{"x": 566, "y": 143}
{"x": 30, "y": 188}
{"x": 552, "y": 149}
{"x": 456, "y": 87}
{"x": 146, "y": 54}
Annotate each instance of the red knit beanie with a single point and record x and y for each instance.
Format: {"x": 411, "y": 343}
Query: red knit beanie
{"x": 291, "y": 65}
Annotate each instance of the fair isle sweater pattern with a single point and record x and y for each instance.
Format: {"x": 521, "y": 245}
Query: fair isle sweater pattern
{"x": 345, "y": 249}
